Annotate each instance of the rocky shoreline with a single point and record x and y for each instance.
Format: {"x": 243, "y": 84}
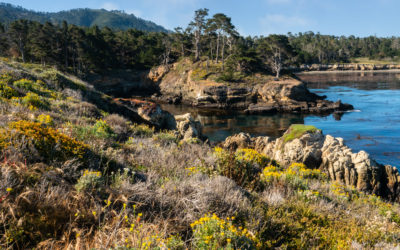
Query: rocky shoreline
{"x": 330, "y": 155}
{"x": 285, "y": 95}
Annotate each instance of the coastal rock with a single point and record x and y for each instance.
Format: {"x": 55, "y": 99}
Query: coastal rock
{"x": 237, "y": 141}
{"x": 330, "y": 155}
{"x": 151, "y": 112}
{"x": 182, "y": 84}
{"x": 188, "y": 127}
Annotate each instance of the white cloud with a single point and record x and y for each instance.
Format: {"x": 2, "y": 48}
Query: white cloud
{"x": 281, "y": 24}
{"x": 110, "y": 6}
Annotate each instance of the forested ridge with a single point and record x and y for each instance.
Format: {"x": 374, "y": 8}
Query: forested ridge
{"x": 95, "y": 48}
{"x": 81, "y": 17}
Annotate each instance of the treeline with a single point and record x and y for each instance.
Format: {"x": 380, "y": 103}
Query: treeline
{"x": 317, "y": 48}
{"x": 80, "y": 49}
{"x": 214, "y": 38}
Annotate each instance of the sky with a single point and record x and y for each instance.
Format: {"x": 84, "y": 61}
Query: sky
{"x": 256, "y": 17}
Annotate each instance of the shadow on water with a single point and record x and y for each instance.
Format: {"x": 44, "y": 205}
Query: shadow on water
{"x": 219, "y": 124}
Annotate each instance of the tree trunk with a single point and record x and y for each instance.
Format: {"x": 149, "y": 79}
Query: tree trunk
{"x": 223, "y": 53}
{"x": 216, "y": 60}
{"x": 197, "y": 46}
{"x": 21, "y": 49}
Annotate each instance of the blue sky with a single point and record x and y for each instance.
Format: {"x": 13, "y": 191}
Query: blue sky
{"x": 256, "y": 17}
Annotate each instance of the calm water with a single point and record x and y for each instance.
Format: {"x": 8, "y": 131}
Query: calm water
{"x": 374, "y": 126}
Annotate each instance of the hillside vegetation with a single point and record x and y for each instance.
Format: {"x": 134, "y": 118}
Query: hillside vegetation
{"x": 76, "y": 171}
{"x": 81, "y": 17}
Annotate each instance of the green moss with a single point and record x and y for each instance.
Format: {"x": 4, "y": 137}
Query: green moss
{"x": 297, "y": 130}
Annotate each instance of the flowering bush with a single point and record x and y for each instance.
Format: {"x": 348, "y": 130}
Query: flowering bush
{"x": 251, "y": 156}
{"x": 243, "y": 167}
{"x": 212, "y": 232}
{"x": 90, "y": 180}
{"x": 6, "y": 91}
{"x": 33, "y": 101}
{"x": 45, "y": 119}
{"x": 102, "y": 130}
{"x": 296, "y": 175}
{"x": 47, "y": 142}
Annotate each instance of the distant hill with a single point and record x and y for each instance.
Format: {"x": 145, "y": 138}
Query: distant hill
{"x": 81, "y": 17}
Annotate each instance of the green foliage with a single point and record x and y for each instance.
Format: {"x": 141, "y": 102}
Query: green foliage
{"x": 39, "y": 142}
{"x": 296, "y": 176}
{"x": 297, "y": 130}
{"x": 89, "y": 181}
{"x": 34, "y": 101}
{"x": 142, "y": 130}
{"x": 7, "y": 92}
{"x": 100, "y": 130}
{"x": 81, "y": 17}
{"x": 298, "y": 225}
{"x": 243, "y": 167}
{"x": 166, "y": 137}
{"x": 212, "y": 232}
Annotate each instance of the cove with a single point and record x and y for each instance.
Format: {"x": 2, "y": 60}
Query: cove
{"x": 374, "y": 125}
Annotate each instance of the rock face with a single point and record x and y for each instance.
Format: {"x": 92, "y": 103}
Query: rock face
{"x": 151, "y": 112}
{"x": 330, "y": 155}
{"x": 287, "y": 95}
{"x": 188, "y": 127}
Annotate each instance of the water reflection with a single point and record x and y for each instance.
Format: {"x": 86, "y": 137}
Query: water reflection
{"x": 219, "y": 124}
{"x": 359, "y": 80}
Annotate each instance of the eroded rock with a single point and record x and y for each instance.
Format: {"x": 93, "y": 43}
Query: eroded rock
{"x": 188, "y": 127}
{"x": 151, "y": 112}
{"x": 332, "y": 156}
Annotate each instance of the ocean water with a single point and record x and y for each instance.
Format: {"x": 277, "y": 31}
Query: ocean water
{"x": 374, "y": 125}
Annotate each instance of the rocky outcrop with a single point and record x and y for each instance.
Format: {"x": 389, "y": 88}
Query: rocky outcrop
{"x": 286, "y": 95}
{"x": 330, "y": 155}
{"x": 187, "y": 127}
{"x": 150, "y": 112}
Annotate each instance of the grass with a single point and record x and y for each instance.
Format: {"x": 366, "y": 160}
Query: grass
{"x": 297, "y": 130}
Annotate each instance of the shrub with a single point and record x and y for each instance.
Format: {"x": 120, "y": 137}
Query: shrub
{"x": 102, "y": 130}
{"x": 212, "y": 232}
{"x": 296, "y": 175}
{"x": 26, "y": 84}
{"x": 119, "y": 125}
{"x": 89, "y": 181}
{"x": 243, "y": 167}
{"x": 33, "y": 138}
{"x": 142, "y": 130}
{"x": 251, "y": 156}
{"x": 37, "y": 87}
{"x": 33, "y": 101}
{"x": 166, "y": 137}
{"x": 7, "y": 92}
{"x": 45, "y": 119}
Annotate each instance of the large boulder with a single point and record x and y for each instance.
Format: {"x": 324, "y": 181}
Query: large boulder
{"x": 237, "y": 141}
{"x": 150, "y": 112}
{"x": 188, "y": 127}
